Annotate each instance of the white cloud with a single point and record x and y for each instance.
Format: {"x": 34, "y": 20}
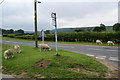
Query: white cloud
{"x": 19, "y": 14}
{"x": 107, "y": 17}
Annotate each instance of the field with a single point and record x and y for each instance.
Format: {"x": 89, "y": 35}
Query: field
{"x": 76, "y": 43}
{"x": 32, "y": 63}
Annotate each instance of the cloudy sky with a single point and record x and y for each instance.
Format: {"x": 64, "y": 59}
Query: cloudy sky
{"x": 19, "y": 14}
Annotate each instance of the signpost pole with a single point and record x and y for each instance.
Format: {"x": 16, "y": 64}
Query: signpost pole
{"x": 42, "y": 36}
{"x": 53, "y": 15}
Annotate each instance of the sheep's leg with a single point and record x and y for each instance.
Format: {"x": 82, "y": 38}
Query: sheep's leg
{"x": 19, "y": 51}
{"x": 12, "y": 56}
{"x": 15, "y": 51}
{"x": 44, "y": 49}
{"x": 5, "y": 57}
{"x": 40, "y": 49}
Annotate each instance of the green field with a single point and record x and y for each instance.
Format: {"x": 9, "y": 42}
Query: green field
{"x": 67, "y": 65}
{"x": 76, "y": 43}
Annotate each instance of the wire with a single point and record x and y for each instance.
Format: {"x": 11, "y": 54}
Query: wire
{"x": 1, "y": 2}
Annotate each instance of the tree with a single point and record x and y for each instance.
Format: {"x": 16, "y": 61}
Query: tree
{"x": 116, "y": 27}
{"x": 78, "y": 30}
{"x": 102, "y": 27}
{"x": 11, "y": 31}
{"x": 88, "y": 30}
{"x": 47, "y": 31}
{"x": 20, "y": 31}
{"x": 4, "y": 31}
{"x": 97, "y": 29}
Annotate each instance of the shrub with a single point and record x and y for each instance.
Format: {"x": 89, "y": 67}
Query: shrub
{"x": 75, "y": 36}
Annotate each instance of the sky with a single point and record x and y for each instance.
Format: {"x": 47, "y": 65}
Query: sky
{"x": 19, "y": 14}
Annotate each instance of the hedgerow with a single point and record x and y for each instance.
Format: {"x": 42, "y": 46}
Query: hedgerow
{"x": 74, "y": 37}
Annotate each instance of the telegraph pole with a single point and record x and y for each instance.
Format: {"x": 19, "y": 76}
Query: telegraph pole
{"x": 53, "y": 15}
{"x": 35, "y": 17}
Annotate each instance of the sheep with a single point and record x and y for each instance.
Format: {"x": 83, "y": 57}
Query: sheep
{"x": 8, "y": 52}
{"x": 17, "y": 48}
{"x": 98, "y": 41}
{"x": 110, "y": 42}
{"x": 45, "y": 47}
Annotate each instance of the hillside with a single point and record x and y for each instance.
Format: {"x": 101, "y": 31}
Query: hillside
{"x": 63, "y": 30}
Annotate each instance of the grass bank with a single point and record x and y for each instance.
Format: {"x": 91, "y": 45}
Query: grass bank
{"x": 76, "y": 43}
{"x": 68, "y": 65}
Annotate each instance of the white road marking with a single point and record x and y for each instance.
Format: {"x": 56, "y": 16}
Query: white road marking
{"x": 114, "y": 59}
{"x": 72, "y": 47}
{"x": 14, "y": 42}
{"x": 7, "y": 41}
{"x": 92, "y": 48}
{"x": 101, "y": 49}
{"x": 97, "y": 49}
{"x": 112, "y": 50}
{"x": 101, "y": 57}
{"x": 60, "y": 46}
{"x": 90, "y": 55}
{"x": 65, "y": 47}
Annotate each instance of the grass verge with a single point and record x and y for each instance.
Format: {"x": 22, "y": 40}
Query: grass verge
{"x": 76, "y": 43}
{"x": 67, "y": 65}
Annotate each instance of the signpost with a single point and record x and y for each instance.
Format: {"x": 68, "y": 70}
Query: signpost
{"x": 42, "y": 34}
{"x": 53, "y": 15}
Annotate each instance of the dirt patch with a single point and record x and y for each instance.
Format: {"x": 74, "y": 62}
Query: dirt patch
{"x": 42, "y": 64}
{"x": 82, "y": 71}
{"x": 21, "y": 75}
{"x": 39, "y": 76}
{"x": 112, "y": 70}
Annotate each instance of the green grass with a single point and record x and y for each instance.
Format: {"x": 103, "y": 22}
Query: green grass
{"x": 76, "y": 43}
{"x": 59, "y": 64}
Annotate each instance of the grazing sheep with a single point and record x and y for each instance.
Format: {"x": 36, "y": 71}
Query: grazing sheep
{"x": 110, "y": 43}
{"x": 8, "y": 52}
{"x": 17, "y": 48}
{"x": 98, "y": 42}
{"x": 45, "y": 47}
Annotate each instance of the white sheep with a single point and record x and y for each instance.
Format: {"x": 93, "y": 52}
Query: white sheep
{"x": 8, "y": 53}
{"x": 110, "y": 43}
{"x": 98, "y": 42}
{"x": 44, "y": 47}
{"x": 17, "y": 48}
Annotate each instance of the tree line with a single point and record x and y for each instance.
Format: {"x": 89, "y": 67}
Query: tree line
{"x": 102, "y": 27}
{"x": 11, "y": 31}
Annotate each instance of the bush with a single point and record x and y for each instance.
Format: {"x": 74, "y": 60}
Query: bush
{"x": 5, "y": 35}
{"x": 11, "y": 35}
{"x": 75, "y": 36}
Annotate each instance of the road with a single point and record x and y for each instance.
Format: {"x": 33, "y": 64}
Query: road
{"x": 109, "y": 54}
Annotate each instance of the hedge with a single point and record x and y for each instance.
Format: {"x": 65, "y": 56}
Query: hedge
{"x": 75, "y": 36}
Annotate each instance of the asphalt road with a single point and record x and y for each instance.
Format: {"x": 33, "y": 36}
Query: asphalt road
{"x": 109, "y": 54}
